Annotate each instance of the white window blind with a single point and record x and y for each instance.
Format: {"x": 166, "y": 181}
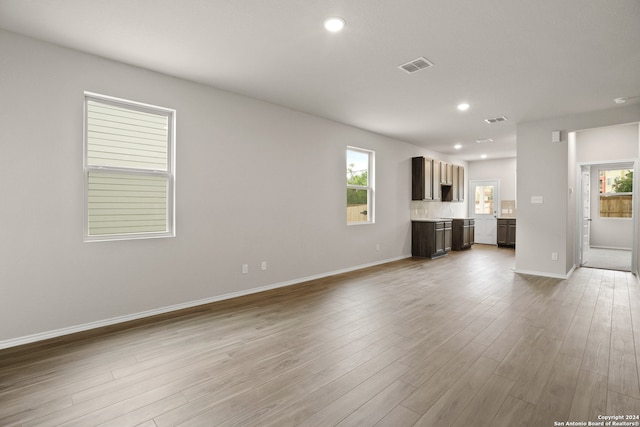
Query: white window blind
{"x": 128, "y": 167}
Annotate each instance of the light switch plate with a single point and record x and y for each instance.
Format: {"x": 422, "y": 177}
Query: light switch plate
{"x": 536, "y": 200}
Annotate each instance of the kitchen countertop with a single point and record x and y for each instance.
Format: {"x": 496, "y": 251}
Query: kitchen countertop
{"x": 432, "y": 219}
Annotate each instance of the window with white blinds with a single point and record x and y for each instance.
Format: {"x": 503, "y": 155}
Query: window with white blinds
{"x": 129, "y": 152}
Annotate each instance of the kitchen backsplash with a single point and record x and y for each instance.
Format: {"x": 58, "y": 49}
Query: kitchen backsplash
{"x": 429, "y": 209}
{"x": 507, "y": 209}
{"x": 422, "y": 209}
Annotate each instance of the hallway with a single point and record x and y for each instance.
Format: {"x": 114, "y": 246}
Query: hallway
{"x": 609, "y": 259}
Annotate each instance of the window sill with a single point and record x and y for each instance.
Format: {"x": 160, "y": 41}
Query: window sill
{"x": 120, "y": 237}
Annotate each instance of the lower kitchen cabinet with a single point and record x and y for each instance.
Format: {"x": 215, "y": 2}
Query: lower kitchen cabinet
{"x": 507, "y": 232}
{"x": 430, "y": 238}
{"x": 463, "y": 232}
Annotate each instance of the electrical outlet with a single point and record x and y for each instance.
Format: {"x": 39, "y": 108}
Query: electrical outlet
{"x": 263, "y": 266}
{"x": 245, "y": 268}
{"x": 377, "y": 246}
{"x": 554, "y": 256}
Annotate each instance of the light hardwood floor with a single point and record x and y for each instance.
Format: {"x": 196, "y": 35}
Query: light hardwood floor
{"x": 461, "y": 341}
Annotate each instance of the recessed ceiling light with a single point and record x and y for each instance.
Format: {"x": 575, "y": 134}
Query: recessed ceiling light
{"x": 621, "y": 100}
{"x": 463, "y": 107}
{"x": 457, "y": 146}
{"x": 484, "y": 156}
{"x": 334, "y": 24}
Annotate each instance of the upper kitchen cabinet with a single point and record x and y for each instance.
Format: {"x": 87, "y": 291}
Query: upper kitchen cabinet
{"x": 435, "y": 180}
{"x": 437, "y": 188}
{"x": 446, "y": 173}
{"x": 421, "y": 178}
{"x": 457, "y": 183}
{"x": 461, "y": 183}
{"x": 452, "y": 182}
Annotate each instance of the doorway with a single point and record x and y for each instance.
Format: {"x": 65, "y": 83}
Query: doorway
{"x": 484, "y": 199}
{"x": 606, "y": 215}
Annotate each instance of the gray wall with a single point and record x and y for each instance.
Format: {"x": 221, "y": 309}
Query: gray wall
{"x": 547, "y": 169}
{"x": 255, "y": 182}
{"x": 608, "y": 144}
{"x": 502, "y": 169}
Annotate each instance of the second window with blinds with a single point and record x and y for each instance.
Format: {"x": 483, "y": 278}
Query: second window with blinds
{"x": 129, "y": 153}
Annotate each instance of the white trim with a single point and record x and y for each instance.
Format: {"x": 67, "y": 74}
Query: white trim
{"x": 634, "y": 212}
{"x": 614, "y": 248}
{"x": 370, "y": 187}
{"x": 14, "y": 342}
{"x": 546, "y": 274}
{"x": 169, "y": 173}
{"x": 127, "y": 102}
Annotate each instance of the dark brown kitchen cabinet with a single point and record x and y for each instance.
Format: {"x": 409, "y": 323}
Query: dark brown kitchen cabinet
{"x": 446, "y": 173}
{"x": 430, "y": 238}
{"x": 422, "y": 179}
{"x": 507, "y": 232}
{"x": 436, "y": 180}
{"x": 461, "y": 183}
{"x": 457, "y": 184}
{"x": 463, "y": 232}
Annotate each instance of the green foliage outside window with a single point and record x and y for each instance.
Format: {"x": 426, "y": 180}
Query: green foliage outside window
{"x": 355, "y": 196}
{"x": 624, "y": 184}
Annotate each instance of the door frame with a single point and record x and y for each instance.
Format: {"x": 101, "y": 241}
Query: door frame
{"x": 496, "y": 201}
{"x": 581, "y": 225}
{"x": 634, "y": 214}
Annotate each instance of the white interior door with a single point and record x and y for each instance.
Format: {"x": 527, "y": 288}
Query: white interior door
{"x": 585, "y": 184}
{"x": 484, "y": 198}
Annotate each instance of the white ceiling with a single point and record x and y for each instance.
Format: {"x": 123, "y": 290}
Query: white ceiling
{"x": 527, "y": 60}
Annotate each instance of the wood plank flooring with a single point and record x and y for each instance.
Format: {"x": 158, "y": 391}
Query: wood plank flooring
{"x": 458, "y": 341}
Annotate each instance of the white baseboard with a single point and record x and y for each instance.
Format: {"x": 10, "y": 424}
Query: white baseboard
{"x": 546, "y": 274}
{"x": 14, "y": 342}
{"x": 611, "y": 247}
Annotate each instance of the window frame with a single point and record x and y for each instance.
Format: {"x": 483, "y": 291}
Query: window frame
{"x": 609, "y": 194}
{"x": 169, "y": 173}
{"x": 370, "y": 187}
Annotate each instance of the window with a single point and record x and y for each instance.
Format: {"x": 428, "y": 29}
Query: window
{"x": 616, "y": 193}
{"x": 360, "y": 194}
{"x": 484, "y": 200}
{"x": 129, "y": 169}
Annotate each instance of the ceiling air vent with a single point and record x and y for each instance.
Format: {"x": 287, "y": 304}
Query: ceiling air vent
{"x": 416, "y": 65}
{"x": 484, "y": 141}
{"x": 496, "y": 119}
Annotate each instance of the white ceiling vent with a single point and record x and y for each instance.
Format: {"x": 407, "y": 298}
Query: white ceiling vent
{"x": 484, "y": 141}
{"x": 496, "y": 119}
{"x": 416, "y": 65}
